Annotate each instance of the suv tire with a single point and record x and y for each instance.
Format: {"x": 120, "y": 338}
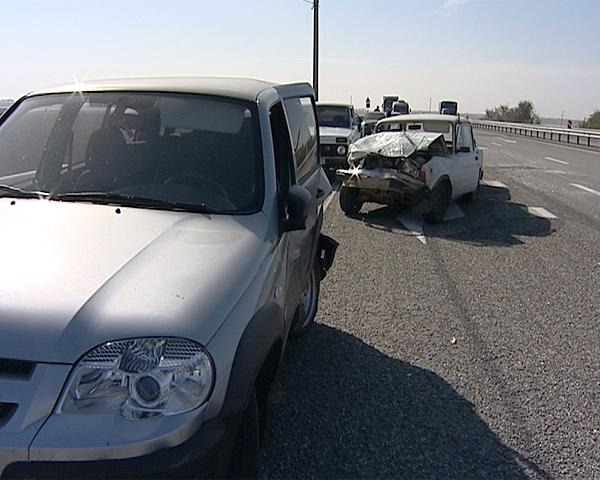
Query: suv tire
{"x": 440, "y": 199}
{"x": 304, "y": 318}
{"x": 244, "y": 456}
{"x": 349, "y": 200}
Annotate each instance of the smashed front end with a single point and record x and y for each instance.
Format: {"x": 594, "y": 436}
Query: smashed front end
{"x": 388, "y": 168}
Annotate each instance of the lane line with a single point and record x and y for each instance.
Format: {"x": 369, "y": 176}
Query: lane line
{"x": 586, "y": 189}
{"x": 483, "y": 149}
{"x": 552, "y": 144}
{"x": 494, "y": 184}
{"x": 541, "y": 212}
{"x": 509, "y": 141}
{"x": 413, "y": 226}
{"x": 335, "y": 188}
{"x": 496, "y": 144}
{"x": 328, "y": 201}
{"x": 556, "y": 160}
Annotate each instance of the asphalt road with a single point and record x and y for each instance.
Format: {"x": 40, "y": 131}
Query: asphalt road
{"x": 465, "y": 350}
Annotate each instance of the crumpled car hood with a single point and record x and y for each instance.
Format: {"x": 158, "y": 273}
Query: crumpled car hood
{"x": 76, "y": 275}
{"x": 392, "y": 144}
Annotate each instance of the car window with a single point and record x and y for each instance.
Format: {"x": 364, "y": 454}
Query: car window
{"x": 176, "y": 149}
{"x": 464, "y": 139}
{"x": 22, "y": 145}
{"x": 282, "y": 150}
{"x": 332, "y": 116}
{"x": 303, "y": 130}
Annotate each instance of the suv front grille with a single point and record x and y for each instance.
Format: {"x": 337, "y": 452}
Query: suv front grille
{"x": 331, "y": 151}
{"x": 16, "y": 368}
{"x": 6, "y": 411}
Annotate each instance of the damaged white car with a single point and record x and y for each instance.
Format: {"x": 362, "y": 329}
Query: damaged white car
{"x": 420, "y": 161}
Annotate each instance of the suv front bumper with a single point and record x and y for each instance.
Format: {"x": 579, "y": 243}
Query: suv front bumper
{"x": 204, "y": 453}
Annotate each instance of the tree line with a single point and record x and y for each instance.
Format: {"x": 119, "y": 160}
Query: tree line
{"x": 593, "y": 121}
{"x": 524, "y": 112}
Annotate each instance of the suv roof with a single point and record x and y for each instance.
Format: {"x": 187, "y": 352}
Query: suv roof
{"x": 241, "y": 88}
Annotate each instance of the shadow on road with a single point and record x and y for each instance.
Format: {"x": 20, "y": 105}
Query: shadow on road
{"x": 343, "y": 409}
{"x": 494, "y": 220}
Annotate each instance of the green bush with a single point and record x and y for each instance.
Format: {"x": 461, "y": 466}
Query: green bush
{"x": 593, "y": 121}
{"x": 524, "y": 112}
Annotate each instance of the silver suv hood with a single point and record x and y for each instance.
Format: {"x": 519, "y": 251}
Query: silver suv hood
{"x": 77, "y": 275}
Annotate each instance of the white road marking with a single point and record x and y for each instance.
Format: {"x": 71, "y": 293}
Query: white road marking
{"x": 557, "y": 172}
{"x": 494, "y": 184}
{"x": 413, "y": 226}
{"x": 586, "y": 189}
{"x": 552, "y": 144}
{"x": 509, "y": 141}
{"x": 328, "y": 201}
{"x": 541, "y": 212}
{"x": 483, "y": 149}
{"x": 454, "y": 212}
{"x": 556, "y": 160}
{"x": 496, "y": 144}
{"x": 336, "y": 187}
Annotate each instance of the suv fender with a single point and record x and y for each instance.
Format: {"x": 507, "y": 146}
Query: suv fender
{"x": 262, "y": 333}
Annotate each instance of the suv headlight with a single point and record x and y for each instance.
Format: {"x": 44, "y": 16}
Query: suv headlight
{"x": 140, "y": 378}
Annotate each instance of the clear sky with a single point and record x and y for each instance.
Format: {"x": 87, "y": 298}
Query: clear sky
{"x": 479, "y": 52}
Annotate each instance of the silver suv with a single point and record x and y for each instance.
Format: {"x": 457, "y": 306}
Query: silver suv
{"x": 160, "y": 242}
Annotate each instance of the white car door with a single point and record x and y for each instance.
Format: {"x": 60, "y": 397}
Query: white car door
{"x": 467, "y": 161}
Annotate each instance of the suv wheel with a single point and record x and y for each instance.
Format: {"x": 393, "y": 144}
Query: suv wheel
{"x": 306, "y": 312}
{"x": 349, "y": 200}
{"x": 440, "y": 199}
{"x": 244, "y": 457}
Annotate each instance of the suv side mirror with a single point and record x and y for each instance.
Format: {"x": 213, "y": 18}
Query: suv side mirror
{"x": 464, "y": 149}
{"x": 298, "y": 202}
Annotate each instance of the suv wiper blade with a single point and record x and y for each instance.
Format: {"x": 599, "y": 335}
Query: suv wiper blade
{"x": 10, "y": 191}
{"x": 129, "y": 201}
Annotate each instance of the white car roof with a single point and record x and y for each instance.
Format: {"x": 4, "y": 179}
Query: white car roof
{"x": 422, "y": 117}
{"x": 241, "y": 88}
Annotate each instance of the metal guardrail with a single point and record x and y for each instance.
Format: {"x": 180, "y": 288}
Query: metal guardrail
{"x": 579, "y": 137}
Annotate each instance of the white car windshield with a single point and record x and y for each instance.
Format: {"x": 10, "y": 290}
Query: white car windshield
{"x": 186, "y": 152}
{"x": 338, "y": 117}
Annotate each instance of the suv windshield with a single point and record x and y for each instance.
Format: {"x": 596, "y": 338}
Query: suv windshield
{"x": 169, "y": 151}
{"x": 338, "y": 117}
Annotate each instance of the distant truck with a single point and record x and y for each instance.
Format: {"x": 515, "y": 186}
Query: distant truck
{"x": 400, "y": 108}
{"x": 388, "y": 101}
{"x": 448, "y": 107}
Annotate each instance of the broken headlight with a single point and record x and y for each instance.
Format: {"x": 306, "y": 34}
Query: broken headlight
{"x": 140, "y": 378}
{"x": 410, "y": 169}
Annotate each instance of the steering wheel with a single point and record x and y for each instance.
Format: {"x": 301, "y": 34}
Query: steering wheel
{"x": 197, "y": 180}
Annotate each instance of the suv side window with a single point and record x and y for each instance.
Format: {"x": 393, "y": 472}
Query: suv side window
{"x": 465, "y": 139}
{"x": 282, "y": 150}
{"x": 303, "y": 129}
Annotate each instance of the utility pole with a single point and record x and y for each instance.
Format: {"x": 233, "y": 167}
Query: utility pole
{"x": 316, "y": 48}
{"x": 429, "y": 104}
